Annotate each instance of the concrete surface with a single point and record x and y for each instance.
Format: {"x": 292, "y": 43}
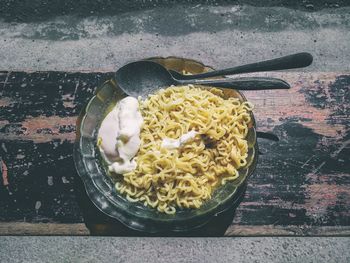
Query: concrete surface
{"x": 221, "y": 36}
{"x": 40, "y": 10}
{"x": 101, "y": 249}
{"x": 68, "y": 35}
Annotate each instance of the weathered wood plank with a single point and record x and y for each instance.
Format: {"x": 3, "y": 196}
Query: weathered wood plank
{"x": 302, "y": 180}
{"x": 43, "y": 229}
{"x": 79, "y": 229}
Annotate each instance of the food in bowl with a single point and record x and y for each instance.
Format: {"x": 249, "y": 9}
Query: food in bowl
{"x": 173, "y": 149}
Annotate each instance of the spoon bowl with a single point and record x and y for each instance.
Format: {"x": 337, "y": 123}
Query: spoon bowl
{"x": 143, "y": 77}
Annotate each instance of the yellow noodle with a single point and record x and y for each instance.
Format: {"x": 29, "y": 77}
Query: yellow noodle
{"x": 186, "y": 177}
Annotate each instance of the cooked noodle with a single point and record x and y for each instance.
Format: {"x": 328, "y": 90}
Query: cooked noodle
{"x": 185, "y": 177}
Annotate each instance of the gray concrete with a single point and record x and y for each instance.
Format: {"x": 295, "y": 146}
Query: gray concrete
{"x": 41, "y": 10}
{"x": 219, "y": 36}
{"x": 102, "y": 249}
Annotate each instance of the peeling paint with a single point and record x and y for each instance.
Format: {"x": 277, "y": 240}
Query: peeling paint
{"x": 282, "y": 105}
{"x": 4, "y": 170}
{"x": 5, "y": 102}
{"x": 42, "y": 129}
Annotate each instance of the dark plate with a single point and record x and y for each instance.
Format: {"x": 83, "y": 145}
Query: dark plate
{"x": 100, "y": 187}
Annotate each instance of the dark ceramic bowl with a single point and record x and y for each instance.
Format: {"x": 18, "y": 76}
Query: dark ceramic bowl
{"x": 100, "y": 187}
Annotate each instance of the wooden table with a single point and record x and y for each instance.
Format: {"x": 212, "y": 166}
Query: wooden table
{"x": 301, "y": 185}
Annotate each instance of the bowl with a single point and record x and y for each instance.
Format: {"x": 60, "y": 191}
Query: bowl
{"x": 100, "y": 186}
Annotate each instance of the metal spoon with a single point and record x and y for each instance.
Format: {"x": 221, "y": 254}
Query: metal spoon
{"x": 141, "y": 78}
{"x": 298, "y": 60}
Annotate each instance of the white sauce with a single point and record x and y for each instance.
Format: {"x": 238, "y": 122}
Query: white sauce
{"x": 177, "y": 143}
{"x": 122, "y": 168}
{"x": 120, "y": 134}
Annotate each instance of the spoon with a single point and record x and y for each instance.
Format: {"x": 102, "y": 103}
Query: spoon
{"x": 298, "y": 60}
{"x": 141, "y": 78}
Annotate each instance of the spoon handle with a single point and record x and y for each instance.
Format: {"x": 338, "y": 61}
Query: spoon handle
{"x": 267, "y": 136}
{"x": 253, "y": 83}
{"x": 298, "y": 60}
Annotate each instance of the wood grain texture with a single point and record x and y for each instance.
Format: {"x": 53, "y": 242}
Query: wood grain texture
{"x": 43, "y": 229}
{"x": 79, "y": 229}
{"x": 302, "y": 182}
